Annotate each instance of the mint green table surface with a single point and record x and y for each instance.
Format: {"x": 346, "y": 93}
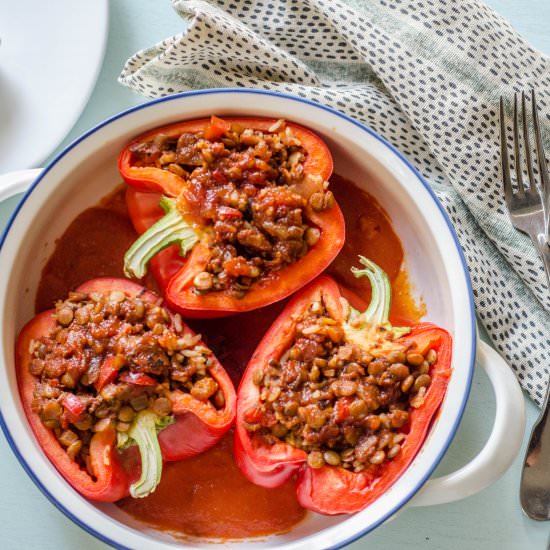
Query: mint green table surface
{"x": 489, "y": 520}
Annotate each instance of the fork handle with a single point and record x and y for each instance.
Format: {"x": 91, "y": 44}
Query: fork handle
{"x": 535, "y": 478}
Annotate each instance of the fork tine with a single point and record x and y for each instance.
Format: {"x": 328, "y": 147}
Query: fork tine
{"x": 517, "y": 150}
{"x": 527, "y": 143}
{"x": 543, "y": 167}
{"x": 505, "y": 161}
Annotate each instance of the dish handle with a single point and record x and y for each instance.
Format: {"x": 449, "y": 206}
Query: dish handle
{"x": 12, "y": 183}
{"x": 502, "y": 446}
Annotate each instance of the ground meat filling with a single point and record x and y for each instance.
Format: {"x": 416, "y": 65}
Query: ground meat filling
{"x": 241, "y": 187}
{"x": 335, "y": 401}
{"x": 152, "y": 355}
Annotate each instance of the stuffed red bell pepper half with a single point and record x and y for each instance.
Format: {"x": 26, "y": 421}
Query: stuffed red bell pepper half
{"x": 341, "y": 399}
{"x": 113, "y": 384}
{"x": 246, "y": 202}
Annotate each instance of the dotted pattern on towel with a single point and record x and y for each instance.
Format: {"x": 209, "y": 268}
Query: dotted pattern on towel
{"x": 426, "y": 75}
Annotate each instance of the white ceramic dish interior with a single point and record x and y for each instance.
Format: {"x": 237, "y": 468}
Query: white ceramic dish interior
{"x": 87, "y": 171}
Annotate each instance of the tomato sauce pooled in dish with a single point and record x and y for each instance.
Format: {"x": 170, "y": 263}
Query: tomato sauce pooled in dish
{"x": 92, "y": 246}
{"x": 207, "y": 496}
{"x": 369, "y": 232}
{"x": 193, "y": 496}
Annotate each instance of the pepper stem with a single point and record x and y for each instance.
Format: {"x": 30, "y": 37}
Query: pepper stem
{"x": 171, "y": 229}
{"x": 367, "y": 327}
{"x": 144, "y": 432}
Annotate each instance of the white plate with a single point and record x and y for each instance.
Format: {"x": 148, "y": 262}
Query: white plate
{"x": 50, "y": 57}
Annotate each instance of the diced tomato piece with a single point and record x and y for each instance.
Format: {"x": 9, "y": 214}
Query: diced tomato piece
{"x": 108, "y": 372}
{"x": 217, "y": 128}
{"x": 137, "y": 379}
{"x": 74, "y": 407}
{"x": 229, "y": 213}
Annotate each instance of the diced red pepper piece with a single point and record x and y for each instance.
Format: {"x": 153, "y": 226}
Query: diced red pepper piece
{"x": 107, "y": 373}
{"x": 341, "y": 410}
{"x": 226, "y": 212}
{"x": 217, "y": 128}
{"x": 137, "y": 379}
{"x": 74, "y": 407}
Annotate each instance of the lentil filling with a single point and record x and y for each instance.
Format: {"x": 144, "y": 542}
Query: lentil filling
{"x": 241, "y": 190}
{"x": 110, "y": 358}
{"x": 343, "y": 402}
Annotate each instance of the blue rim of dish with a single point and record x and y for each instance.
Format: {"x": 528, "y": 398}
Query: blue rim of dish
{"x": 369, "y": 131}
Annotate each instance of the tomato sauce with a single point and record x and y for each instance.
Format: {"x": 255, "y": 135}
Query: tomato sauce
{"x": 92, "y": 246}
{"x": 207, "y": 495}
{"x": 369, "y": 232}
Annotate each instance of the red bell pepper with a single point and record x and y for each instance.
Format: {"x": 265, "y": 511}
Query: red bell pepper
{"x": 174, "y": 274}
{"x": 196, "y": 425}
{"x": 334, "y": 490}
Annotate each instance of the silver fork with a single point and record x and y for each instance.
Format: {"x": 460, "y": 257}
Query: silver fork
{"x": 529, "y": 210}
{"x": 525, "y": 204}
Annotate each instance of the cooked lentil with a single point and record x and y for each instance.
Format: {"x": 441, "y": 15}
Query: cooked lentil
{"x": 336, "y": 401}
{"x": 141, "y": 340}
{"x": 240, "y": 186}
